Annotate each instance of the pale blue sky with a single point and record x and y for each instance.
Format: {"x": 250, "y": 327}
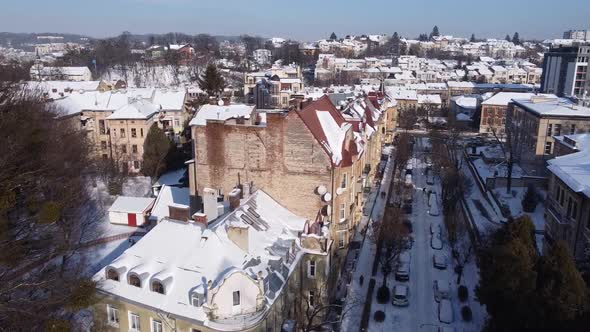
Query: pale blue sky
{"x": 299, "y": 19}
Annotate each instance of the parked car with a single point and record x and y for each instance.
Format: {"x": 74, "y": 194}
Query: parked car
{"x": 445, "y": 312}
{"x": 439, "y": 261}
{"x": 429, "y": 177}
{"x": 433, "y": 204}
{"x": 436, "y": 242}
{"x": 401, "y": 296}
{"x": 408, "y": 180}
{"x": 442, "y": 290}
{"x": 435, "y": 228}
{"x": 402, "y": 273}
{"x": 405, "y": 257}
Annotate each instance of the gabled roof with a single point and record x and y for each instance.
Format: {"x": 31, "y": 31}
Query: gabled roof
{"x": 139, "y": 109}
{"x": 216, "y": 112}
{"x": 128, "y": 204}
{"x": 328, "y": 126}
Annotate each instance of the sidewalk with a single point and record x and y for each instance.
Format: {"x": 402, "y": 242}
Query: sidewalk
{"x": 355, "y": 299}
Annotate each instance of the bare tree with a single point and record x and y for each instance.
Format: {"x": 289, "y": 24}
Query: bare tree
{"x": 461, "y": 246}
{"x": 393, "y": 240}
{"x": 407, "y": 118}
{"x": 323, "y": 315}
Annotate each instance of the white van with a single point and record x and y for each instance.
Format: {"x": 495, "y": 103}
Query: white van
{"x": 433, "y": 204}
{"x": 445, "y": 312}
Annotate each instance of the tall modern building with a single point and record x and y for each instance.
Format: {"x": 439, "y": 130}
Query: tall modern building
{"x": 565, "y": 71}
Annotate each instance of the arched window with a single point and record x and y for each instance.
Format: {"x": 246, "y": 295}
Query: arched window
{"x": 157, "y": 287}
{"x": 134, "y": 280}
{"x": 112, "y": 274}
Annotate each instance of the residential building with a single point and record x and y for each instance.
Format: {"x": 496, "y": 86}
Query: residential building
{"x": 493, "y": 111}
{"x": 577, "y": 34}
{"x": 565, "y": 71}
{"x": 567, "y": 216}
{"x": 262, "y": 57}
{"x": 39, "y": 72}
{"x": 250, "y": 268}
{"x": 314, "y": 161}
{"x": 535, "y": 121}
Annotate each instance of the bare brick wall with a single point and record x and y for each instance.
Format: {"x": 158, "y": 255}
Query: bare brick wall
{"x": 284, "y": 159}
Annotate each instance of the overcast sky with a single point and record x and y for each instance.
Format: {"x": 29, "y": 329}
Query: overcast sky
{"x": 300, "y": 19}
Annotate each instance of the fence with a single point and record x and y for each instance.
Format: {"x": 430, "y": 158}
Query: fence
{"x": 522, "y": 182}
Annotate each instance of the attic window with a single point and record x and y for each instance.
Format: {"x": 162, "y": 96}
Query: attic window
{"x": 157, "y": 287}
{"x": 134, "y": 281}
{"x": 112, "y": 275}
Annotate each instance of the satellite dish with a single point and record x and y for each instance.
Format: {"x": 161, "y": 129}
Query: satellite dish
{"x": 326, "y": 210}
{"x": 321, "y": 189}
{"x": 327, "y": 197}
{"x": 220, "y": 102}
{"x": 340, "y": 191}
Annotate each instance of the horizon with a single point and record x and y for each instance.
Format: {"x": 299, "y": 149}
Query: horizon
{"x": 142, "y": 17}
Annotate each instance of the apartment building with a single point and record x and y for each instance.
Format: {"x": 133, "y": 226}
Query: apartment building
{"x": 313, "y": 161}
{"x": 567, "y": 216}
{"x": 39, "y": 72}
{"x": 536, "y": 121}
{"x": 493, "y": 111}
{"x": 565, "y": 71}
{"x": 577, "y": 34}
{"x": 248, "y": 264}
{"x": 280, "y": 82}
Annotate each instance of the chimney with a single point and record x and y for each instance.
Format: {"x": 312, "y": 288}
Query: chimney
{"x": 234, "y": 199}
{"x": 210, "y": 203}
{"x": 200, "y": 218}
{"x": 246, "y": 192}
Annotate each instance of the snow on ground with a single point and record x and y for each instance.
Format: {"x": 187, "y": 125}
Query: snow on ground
{"x": 514, "y": 201}
{"x": 97, "y": 257}
{"x": 486, "y": 170}
{"x": 138, "y": 186}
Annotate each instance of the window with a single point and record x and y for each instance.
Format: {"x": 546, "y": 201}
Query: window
{"x": 134, "y": 322}
{"x": 157, "y": 287}
{"x": 124, "y": 148}
{"x": 103, "y": 145}
{"x": 122, "y": 133}
{"x": 343, "y": 185}
{"x": 548, "y": 148}
{"x": 311, "y": 298}
{"x": 133, "y": 132}
{"x": 562, "y": 197}
{"x": 134, "y": 280}
{"x": 136, "y": 164}
{"x": 197, "y": 300}
{"x": 134, "y": 148}
{"x": 176, "y": 123}
{"x": 101, "y": 127}
{"x": 341, "y": 239}
{"x": 141, "y": 132}
{"x": 557, "y": 131}
{"x": 311, "y": 269}
{"x": 112, "y": 315}
{"x": 156, "y": 326}
{"x": 236, "y": 297}
{"x": 342, "y": 212}
{"x": 549, "y": 129}
{"x": 112, "y": 274}
{"x": 572, "y": 129}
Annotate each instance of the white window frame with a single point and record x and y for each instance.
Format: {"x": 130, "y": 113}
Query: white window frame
{"x": 131, "y": 316}
{"x": 233, "y": 298}
{"x": 311, "y": 269}
{"x": 311, "y": 298}
{"x": 341, "y": 238}
{"x": 154, "y": 327}
{"x": 342, "y": 212}
{"x": 115, "y": 311}
{"x": 344, "y": 183}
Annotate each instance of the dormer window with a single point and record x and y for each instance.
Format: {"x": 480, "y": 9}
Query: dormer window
{"x": 197, "y": 299}
{"x": 112, "y": 275}
{"x": 134, "y": 281}
{"x": 157, "y": 287}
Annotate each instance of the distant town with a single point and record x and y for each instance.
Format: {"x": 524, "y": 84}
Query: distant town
{"x": 174, "y": 182}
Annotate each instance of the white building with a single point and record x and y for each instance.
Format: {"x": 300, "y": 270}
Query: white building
{"x": 130, "y": 211}
{"x": 262, "y": 56}
{"x": 39, "y": 72}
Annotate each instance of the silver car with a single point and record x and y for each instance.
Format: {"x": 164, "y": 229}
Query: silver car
{"x": 401, "y": 296}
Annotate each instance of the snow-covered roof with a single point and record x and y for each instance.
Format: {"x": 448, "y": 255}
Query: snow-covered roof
{"x": 138, "y": 109}
{"x": 504, "y": 98}
{"x": 169, "y": 196}
{"x": 62, "y": 88}
{"x": 194, "y": 254}
{"x": 429, "y": 99}
{"x": 130, "y": 204}
{"x": 171, "y": 178}
{"x": 69, "y": 71}
{"x": 553, "y": 107}
{"x": 466, "y": 101}
{"x": 216, "y": 112}
{"x": 461, "y": 85}
{"x": 574, "y": 169}
{"x": 169, "y": 99}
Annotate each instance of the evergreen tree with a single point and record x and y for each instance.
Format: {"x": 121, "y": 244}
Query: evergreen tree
{"x": 333, "y": 36}
{"x": 472, "y": 39}
{"x": 508, "y": 38}
{"x": 155, "y": 150}
{"x": 395, "y": 41}
{"x": 435, "y": 32}
{"x": 516, "y": 39}
{"x": 212, "y": 82}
